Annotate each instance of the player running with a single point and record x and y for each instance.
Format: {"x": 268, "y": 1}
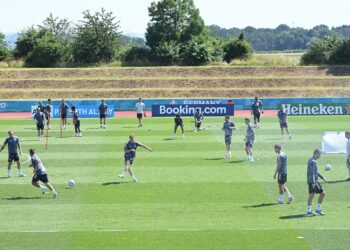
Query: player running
{"x": 314, "y": 185}
{"x": 283, "y": 119}
{"x": 179, "y": 122}
{"x": 130, "y": 155}
{"x": 198, "y": 119}
{"x": 39, "y": 119}
{"x": 40, "y": 174}
{"x": 281, "y": 172}
{"x": 347, "y": 136}
{"x": 76, "y": 122}
{"x": 140, "y": 107}
{"x": 47, "y": 112}
{"x": 257, "y": 110}
{"x": 64, "y": 109}
{"x": 13, "y": 143}
{"x": 228, "y": 127}
{"x": 249, "y": 139}
{"x": 102, "y": 109}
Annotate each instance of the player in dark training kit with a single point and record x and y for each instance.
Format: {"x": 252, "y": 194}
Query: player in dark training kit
{"x": 64, "y": 109}
{"x": 281, "y": 172}
{"x": 228, "y": 127}
{"x": 283, "y": 120}
{"x": 257, "y": 110}
{"x": 198, "y": 119}
{"x": 47, "y": 112}
{"x": 13, "y": 143}
{"x": 179, "y": 123}
{"x": 249, "y": 139}
{"x": 76, "y": 122}
{"x": 130, "y": 155}
{"x": 40, "y": 174}
{"x": 39, "y": 119}
{"x": 314, "y": 185}
{"x": 103, "y": 109}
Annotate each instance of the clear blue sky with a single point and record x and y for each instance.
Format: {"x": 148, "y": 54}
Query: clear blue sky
{"x": 16, "y": 15}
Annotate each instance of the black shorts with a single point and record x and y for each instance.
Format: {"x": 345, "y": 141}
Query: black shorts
{"x": 283, "y": 125}
{"x": 282, "y": 178}
{"x": 63, "y": 116}
{"x": 139, "y": 115}
{"x": 129, "y": 159}
{"x": 77, "y": 123}
{"x": 40, "y": 126}
{"x": 198, "y": 123}
{"x": 179, "y": 125}
{"x": 317, "y": 189}
{"x": 257, "y": 117}
{"x": 13, "y": 157}
{"x": 47, "y": 116}
{"x": 43, "y": 178}
{"x": 228, "y": 139}
{"x": 348, "y": 162}
{"x": 249, "y": 143}
{"x": 102, "y": 116}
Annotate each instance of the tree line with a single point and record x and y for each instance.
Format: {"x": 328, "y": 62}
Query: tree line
{"x": 175, "y": 35}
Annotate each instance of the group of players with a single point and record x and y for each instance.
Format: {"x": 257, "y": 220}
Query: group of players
{"x": 43, "y": 113}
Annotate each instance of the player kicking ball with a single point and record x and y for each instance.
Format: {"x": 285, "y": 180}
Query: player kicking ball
{"x": 179, "y": 123}
{"x": 249, "y": 139}
{"x": 40, "y": 174}
{"x": 228, "y": 127}
{"x": 281, "y": 172}
{"x": 314, "y": 185}
{"x": 130, "y": 155}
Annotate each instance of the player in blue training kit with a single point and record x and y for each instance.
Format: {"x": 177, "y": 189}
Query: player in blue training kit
{"x": 47, "y": 112}
{"x": 102, "y": 109}
{"x": 257, "y": 110}
{"x": 64, "y": 109}
{"x": 179, "y": 123}
{"x": 130, "y": 155}
{"x": 228, "y": 127}
{"x": 76, "y": 122}
{"x": 40, "y": 174}
{"x": 249, "y": 139}
{"x": 13, "y": 143}
{"x": 283, "y": 120}
{"x": 314, "y": 185}
{"x": 281, "y": 172}
{"x": 39, "y": 119}
{"x": 198, "y": 119}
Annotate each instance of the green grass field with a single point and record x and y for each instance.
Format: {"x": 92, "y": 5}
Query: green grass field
{"x": 189, "y": 196}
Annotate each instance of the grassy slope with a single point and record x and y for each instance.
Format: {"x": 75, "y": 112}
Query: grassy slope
{"x": 189, "y": 196}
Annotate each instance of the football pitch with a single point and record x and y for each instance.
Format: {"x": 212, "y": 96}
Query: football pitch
{"x": 189, "y": 196}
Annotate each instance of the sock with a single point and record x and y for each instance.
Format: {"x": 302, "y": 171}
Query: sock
{"x": 8, "y": 172}
{"x": 53, "y": 191}
{"x": 289, "y": 194}
{"x": 183, "y": 135}
{"x": 20, "y": 171}
{"x": 42, "y": 188}
{"x": 318, "y": 206}
{"x": 309, "y": 208}
{"x": 281, "y": 197}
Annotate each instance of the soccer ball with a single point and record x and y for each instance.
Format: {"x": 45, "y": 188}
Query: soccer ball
{"x": 71, "y": 183}
{"x": 328, "y": 167}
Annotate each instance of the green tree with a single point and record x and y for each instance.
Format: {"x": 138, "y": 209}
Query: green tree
{"x": 61, "y": 28}
{"x": 97, "y": 39}
{"x": 26, "y": 41}
{"x": 4, "y": 51}
{"x": 174, "y": 23}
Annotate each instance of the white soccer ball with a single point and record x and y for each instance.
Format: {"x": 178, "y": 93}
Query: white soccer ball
{"x": 71, "y": 183}
{"x": 328, "y": 167}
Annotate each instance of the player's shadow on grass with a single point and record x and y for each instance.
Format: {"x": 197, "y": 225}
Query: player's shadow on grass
{"x": 214, "y": 159}
{"x": 261, "y": 205}
{"x": 294, "y": 216}
{"x": 17, "y": 198}
{"x": 238, "y": 161}
{"x": 130, "y": 127}
{"x": 168, "y": 139}
{"x": 114, "y": 183}
{"x": 339, "y": 181}
{"x": 5, "y": 177}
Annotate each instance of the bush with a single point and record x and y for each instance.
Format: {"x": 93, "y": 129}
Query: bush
{"x": 237, "y": 49}
{"x": 136, "y": 56}
{"x": 167, "y": 53}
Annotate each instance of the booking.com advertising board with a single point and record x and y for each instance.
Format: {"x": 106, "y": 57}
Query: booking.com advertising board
{"x": 190, "y": 109}
{"x": 90, "y": 106}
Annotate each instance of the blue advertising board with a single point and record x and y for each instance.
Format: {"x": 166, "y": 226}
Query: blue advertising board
{"x": 85, "y": 111}
{"x": 190, "y": 109}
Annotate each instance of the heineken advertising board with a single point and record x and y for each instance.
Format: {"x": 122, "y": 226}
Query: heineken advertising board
{"x": 317, "y": 109}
